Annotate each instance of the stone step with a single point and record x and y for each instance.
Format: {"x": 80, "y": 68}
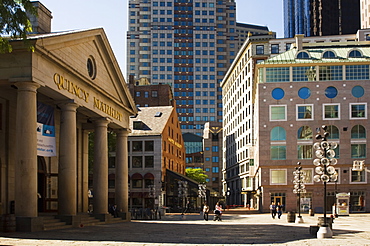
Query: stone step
{"x": 51, "y": 223}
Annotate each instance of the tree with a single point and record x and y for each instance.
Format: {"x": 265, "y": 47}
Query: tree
{"x": 14, "y": 22}
{"x": 196, "y": 174}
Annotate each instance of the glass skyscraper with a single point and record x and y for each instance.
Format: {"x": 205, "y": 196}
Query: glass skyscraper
{"x": 321, "y": 18}
{"x": 188, "y": 44}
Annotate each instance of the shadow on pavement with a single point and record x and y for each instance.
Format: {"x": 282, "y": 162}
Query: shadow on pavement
{"x": 178, "y": 233}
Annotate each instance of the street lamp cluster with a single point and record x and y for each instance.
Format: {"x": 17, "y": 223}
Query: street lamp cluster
{"x": 325, "y": 172}
{"x": 299, "y": 187}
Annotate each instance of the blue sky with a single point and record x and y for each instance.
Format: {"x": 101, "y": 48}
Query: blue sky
{"x": 112, "y": 16}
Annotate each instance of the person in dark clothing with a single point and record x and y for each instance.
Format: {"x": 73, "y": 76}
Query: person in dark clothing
{"x": 279, "y": 210}
{"x": 273, "y": 210}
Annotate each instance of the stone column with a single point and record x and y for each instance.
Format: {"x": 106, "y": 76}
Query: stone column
{"x": 121, "y": 181}
{"x": 26, "y": 158}
{"x": 100, "y": 171}
{"x": 85, "y": 171}
{"x": 26, "y": 138}
{"x": 67, "y": 170}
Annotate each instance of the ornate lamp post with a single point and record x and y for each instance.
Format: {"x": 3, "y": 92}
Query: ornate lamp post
{"x": 299, "y": 187}
{"x": 202, "y": 192}
{"x": 325, "y": 154}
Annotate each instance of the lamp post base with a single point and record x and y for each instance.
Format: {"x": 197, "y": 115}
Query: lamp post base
{"x": 300, "y": 219}
{"x": 324, "y": 232}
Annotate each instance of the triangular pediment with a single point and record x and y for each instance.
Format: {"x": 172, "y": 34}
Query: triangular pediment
{"x": 72, "y": 51}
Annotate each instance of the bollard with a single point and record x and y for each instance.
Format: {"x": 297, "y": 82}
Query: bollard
{"x": 291, "y": 217}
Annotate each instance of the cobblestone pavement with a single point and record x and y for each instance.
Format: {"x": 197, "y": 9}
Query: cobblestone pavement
{"x": 254, "y": 229}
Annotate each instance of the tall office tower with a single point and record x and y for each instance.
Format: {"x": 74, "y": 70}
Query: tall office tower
{"x": 365, "y": 14}
{"x": 321, "y": 18}
{"x": 188, "y": 44}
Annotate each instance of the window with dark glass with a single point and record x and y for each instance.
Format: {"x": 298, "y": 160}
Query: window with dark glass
{"x": 149, "y": 161}
{"x": 149, "y": 145}
{"x": 137, "y": 146}
{"x": 260, "y": 50}
{"x": 275, "y": 49}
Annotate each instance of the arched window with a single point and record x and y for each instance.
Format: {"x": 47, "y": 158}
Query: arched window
{"x": 334, "y": 132}
{"x": 304, "y": 133}
{"x": 303, "y": 55}
{"x": 148, "y": 180}
{"x": 355, "y": 54}
{"x": 278, "y": 133}
{"x": 329, "y": 54}
{"x": 358, "y": 131}
{"x": 137, "y": 180}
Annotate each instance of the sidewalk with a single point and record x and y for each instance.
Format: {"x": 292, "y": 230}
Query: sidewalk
{"x": 256, "y": 229}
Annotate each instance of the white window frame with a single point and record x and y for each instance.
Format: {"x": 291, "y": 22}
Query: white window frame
{"x": 312, "y": 114}
{"x": 271, "y": 170}
{"x": 312, "y": 174}
{"x": 357, "y": 118}
{"x": 278, "y": 105}
{"x": 328, "y": 104}
{"x": 350, "y": 178}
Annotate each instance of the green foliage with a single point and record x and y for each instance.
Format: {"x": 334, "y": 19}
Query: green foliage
{"x": 111, "y": 147}
{"x": 196, "y": 174}
{"x": 14, "y": 22}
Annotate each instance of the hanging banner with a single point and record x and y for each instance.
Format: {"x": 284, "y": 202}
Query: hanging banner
{"x": 45, "y": 130}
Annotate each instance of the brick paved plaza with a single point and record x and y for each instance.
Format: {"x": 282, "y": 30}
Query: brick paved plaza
{"x": 256, "y": 229}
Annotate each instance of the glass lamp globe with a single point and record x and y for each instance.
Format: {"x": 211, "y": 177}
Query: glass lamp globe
{"x": 319, "y": 153}
{"x": 333, "y": 145}
{"x": 317, "y": 146}
{"x": 325, "y": 161}
{"x": 324, "y": 144}
{"x": 333, "y": 161}
{"x": 319, "y": 170}
{"x": 296, "y": 186}
{"x": 317, "y": 162}
{"x": 334, "y": 177}
{"x": 317, "y": 178}
{"x": 330, "y": 170}
{"x": 325, "y": 178}
{"x": 330, "y": 153}
{"x": 295, "y": 191}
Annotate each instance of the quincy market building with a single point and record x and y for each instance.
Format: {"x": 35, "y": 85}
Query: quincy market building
{"x": 50, "y": 100}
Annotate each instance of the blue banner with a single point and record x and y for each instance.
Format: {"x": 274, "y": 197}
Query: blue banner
{"x": 46, "y": 144}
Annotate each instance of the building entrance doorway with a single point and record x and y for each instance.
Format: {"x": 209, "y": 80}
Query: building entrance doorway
{"x": 278, "y": 198}
{"x": 41, "y": 183}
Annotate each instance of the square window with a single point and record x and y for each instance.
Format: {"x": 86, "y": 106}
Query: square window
{"x": 278, "y": 177}
{"x": 305, "y": 151}
{"x": 304, "y": 112}
{"x": 358, "y": 176}
{"x": 137, "y": 162}
{"x": 260, "y": 50}
{"x": 137, "y": 146}
{"x": 149, "y": 161}
{"x": 331, "y": 111}
{"x": 307, "y": 176}
{"x": 358, "y": 150}
{"x": 358, "y": 111}
{"x": 277, "y": 112}
{"x": 149, "y": 145}
{"x": 274, "y": 48}
{"x": 278, "y": 152}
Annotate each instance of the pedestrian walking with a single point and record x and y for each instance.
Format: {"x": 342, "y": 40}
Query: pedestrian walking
{"x": 273, "y": 210}
{"x": 218, "y": 212}
{"x": 279, "y": 210}
{"x": 186, "y": 208}
{"x": 205, "y": 211}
